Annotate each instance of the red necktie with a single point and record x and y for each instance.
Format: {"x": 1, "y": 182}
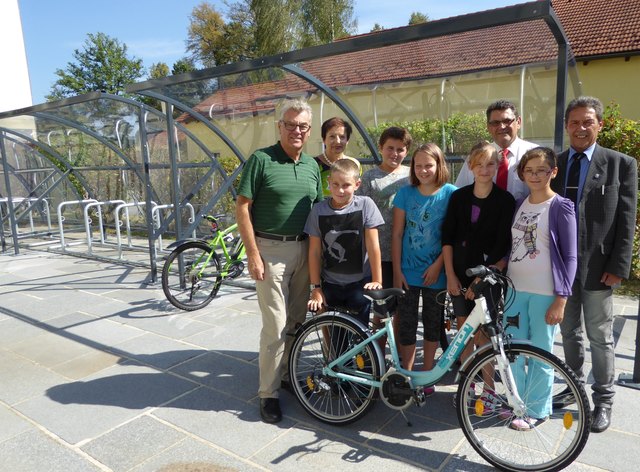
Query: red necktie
{"x": 503, "y": 171}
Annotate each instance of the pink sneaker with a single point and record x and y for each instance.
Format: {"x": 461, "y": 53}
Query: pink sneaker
{"x": 526, "y": 424}
{"x": 428, "y": 391}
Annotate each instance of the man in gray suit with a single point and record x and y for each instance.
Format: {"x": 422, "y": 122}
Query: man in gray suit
{"x": 603, "y": 184}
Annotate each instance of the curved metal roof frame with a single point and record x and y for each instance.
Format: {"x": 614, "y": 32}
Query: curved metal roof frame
{"x": 54, "y": 170}
{"x": 52, "y": 151}
{"x": 535, "y": 10}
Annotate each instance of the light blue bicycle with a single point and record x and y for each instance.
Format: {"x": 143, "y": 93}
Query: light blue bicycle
{"x": 337, "y": 369}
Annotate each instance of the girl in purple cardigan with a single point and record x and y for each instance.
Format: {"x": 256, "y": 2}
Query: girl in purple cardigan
{"x": 542, "y": 266}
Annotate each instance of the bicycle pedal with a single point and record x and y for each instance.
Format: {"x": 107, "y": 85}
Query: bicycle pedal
{"x": 419, "y": 398}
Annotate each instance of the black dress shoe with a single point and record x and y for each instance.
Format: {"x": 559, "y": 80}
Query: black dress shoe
{"x": 270, "y": 410}
{"x": 563, "y": 399}
{"x": 601, "y": 419}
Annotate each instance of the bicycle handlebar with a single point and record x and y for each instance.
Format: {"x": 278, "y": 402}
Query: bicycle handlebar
{"x": 479, "y": 271}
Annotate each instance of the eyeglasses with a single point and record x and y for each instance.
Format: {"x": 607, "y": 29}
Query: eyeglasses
{"x": 505, "y": 122}
{"x": 289, "y": 126}
{"x": 537, "y": 173}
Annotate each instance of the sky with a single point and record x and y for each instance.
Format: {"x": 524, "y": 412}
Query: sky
{"x": 156, "y": 30}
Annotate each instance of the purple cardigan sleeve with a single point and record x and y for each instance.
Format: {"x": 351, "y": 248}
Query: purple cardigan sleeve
{"x": 564, "y": 245}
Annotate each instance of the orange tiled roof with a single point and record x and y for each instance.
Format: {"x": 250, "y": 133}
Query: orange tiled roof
{"x": 600, "y": 27}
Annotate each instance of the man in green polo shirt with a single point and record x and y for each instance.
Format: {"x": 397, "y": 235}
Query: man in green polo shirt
{"x": 278, "y": 187}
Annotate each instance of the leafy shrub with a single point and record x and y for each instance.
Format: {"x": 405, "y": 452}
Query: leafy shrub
{"x": 623, "y": 135}
{"x": 459, "y": 132}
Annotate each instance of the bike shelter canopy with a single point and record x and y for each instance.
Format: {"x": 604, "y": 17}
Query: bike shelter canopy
{"x": 148, "y": 168}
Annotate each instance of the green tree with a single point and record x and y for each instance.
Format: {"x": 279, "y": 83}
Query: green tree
{"x": 158, "y": 70}
{"x": 101, "y": 65}
{"x": 324, "y": 22}
{"x": 376, "y": 27}
{"x": 274, "y": 25}
{"x": 205, "y": 35}
{"x": 417, "y": 18}
{"x": 182, "y": 66}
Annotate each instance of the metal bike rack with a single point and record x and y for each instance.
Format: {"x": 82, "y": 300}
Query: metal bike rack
{"x": 157, "y": 221}
{"x": 127, "y": 222}
{"x": 61, "y": 218}
{"x": 88, "y": 221}
{"x": 17, "y": 201}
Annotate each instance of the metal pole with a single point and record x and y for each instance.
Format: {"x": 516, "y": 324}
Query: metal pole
{"x": 10, "y": 210}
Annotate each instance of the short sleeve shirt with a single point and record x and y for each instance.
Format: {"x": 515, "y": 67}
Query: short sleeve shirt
{"x": 421, "y": 241}
{"x": 382, "y": 186}
{"x": 282, "y": 190}
{"x": 341, "y": 232}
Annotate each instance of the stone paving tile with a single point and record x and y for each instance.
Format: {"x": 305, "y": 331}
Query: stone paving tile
{"x": 306, "y": 449}
{"x": 77, "y": 411}
{"x": 209, "y": 414}
{"x": 86, "y": 364}
{"x": 158, "y": 351}
{"x": 177, "y": 325}
{"x": 34, "y": 307}
{"x": 424, "y": 442}
{"x": 224, "y": 373}
{"x": 11, "y": 424}
{"x": 13, "y": 330}
{"x": 69, "y": 320}
{"x": 223, "y": 335}
{"x": 105, "y": 332}
{"x": 34, "y": 451}
{"x": 50, "y": 349}
{"x": 132, "y": 443}
{"x": 22, "y": 379}
{"x": 191, "y": 455}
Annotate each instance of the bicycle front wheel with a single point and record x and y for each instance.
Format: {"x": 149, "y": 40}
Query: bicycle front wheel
{"x": 191, "y": 276}
{"x": 319, "y": 342}
{"x": 543, "y": 438}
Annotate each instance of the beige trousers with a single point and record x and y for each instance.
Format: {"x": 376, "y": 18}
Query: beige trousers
{"x": 282, "y": 298}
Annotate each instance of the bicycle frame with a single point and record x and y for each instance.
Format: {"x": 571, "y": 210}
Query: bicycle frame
{"x": 218, "y": 241}
{"x": 478, "y": 316}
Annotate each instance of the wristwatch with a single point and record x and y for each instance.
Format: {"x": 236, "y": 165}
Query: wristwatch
{"x": 314, "y": 286}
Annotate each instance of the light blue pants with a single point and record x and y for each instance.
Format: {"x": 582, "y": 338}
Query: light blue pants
{"x": 533, "y": 380}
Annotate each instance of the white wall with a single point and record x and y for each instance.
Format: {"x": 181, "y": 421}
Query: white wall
{"x": 15, "y": 86}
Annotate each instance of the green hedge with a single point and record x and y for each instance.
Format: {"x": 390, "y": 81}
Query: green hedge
{"x": 623, "y": 135}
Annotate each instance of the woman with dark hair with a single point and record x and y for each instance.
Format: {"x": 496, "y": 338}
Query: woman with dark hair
{"x": 336, "y": 133}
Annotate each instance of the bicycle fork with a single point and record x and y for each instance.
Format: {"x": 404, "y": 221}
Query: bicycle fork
{"x": 504, "y": 367}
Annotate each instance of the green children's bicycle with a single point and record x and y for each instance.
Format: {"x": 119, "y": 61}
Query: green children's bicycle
{"x": 195, "y": 269}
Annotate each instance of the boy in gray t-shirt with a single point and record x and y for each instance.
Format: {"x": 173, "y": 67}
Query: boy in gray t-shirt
{"x": 344, "y": 252}
{"x": 381, "y": 184}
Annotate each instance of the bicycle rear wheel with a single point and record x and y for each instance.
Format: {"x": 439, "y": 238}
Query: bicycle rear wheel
{"x": 190, "y": 278}
{"x": 550, "y": 443}
{"x": 319, "y": 342}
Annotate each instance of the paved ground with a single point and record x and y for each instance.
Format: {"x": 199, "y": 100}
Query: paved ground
{"x": 98, "y": 373}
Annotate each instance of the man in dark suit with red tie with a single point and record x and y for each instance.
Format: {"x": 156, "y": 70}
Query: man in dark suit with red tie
{"x": 603, "y": 185}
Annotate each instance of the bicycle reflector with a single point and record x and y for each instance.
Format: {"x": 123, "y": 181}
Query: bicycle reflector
{"x": 567, "y": 420}
{"x": 310, "y": 384}
{"x": 214, "y": 226}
